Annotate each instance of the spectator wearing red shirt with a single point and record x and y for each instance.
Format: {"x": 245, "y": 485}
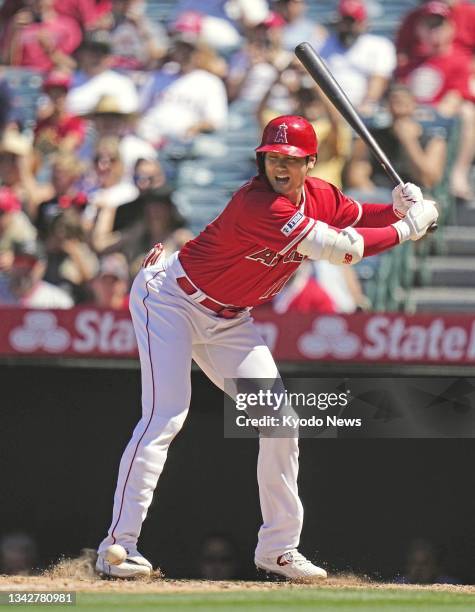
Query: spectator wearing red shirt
{"x": 58, "y": 129}
{"x": 41, "y": 39}
{"x": 443, "y": 79}
{"x": 303, "y": 294}
{"x": 462, "y": 13}
{"x": 89, "y": 14}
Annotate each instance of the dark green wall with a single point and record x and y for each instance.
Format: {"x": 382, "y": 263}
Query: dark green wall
{"x": 62, "y": 432}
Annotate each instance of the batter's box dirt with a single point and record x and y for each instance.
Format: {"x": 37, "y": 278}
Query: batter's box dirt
{"x": 78, "y": 575}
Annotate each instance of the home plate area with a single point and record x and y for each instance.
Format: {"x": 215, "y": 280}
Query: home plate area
{"x": 342, "y": 592}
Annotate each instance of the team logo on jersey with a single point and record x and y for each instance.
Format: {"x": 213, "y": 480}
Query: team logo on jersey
{"x": 289, "y": 227}
{"x": 270, "y": 258}
{"x": 281, "y": 135}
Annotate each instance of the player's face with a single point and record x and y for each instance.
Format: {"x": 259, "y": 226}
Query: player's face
{"x": 286, "y": 174}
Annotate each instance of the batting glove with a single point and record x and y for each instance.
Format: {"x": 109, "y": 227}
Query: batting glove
{"x": 419, "y": 218}
{"x": 405, "y": 196}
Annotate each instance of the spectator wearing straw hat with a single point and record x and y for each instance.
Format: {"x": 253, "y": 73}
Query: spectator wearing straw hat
{"x": 95, "y": 79}
{"x": 111, "y": 121}
{"x": 17, "y": 171}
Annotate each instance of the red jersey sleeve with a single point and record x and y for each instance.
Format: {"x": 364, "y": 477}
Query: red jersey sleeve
{"x": 347, "y": 211}
{"x": 272, "y": 221}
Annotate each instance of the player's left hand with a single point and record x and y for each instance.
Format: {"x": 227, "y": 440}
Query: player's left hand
{"x": 405, "y": 196}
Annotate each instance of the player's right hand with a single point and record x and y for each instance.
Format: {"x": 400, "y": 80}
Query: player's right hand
{"x": 404, "y": 196}
{"x": 417, "y": 221}
{"x": 153, "y": 255}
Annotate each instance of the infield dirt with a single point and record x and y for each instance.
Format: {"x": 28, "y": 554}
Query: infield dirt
{"x": 78, "y": 575}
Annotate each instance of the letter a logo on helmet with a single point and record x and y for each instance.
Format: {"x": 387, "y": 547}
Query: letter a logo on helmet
{"x": 281, "y": 135}
{"x": 289, "y": 135}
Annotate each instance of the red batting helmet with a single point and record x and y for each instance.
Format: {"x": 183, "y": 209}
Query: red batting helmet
{"x": 289, "y": 135}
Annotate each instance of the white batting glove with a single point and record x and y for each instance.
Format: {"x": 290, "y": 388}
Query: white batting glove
{"x": 405, "y": 196}
{"x": 419, "y": 218}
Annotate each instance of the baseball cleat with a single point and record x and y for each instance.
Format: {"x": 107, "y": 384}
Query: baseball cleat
{"x": 293, "y": 566}
{"x": 134, "y": 566}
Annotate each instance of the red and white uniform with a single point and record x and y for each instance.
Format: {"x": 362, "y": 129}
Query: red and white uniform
{"x": 246, "y": 255}
{"x": 196, "y": 304}
{"x": 242, "y": 258}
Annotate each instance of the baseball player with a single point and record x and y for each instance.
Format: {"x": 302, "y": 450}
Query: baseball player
{"x": 195, "y": 304}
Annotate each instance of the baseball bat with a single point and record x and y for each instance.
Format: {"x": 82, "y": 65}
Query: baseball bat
{"x": 319, "y": 72}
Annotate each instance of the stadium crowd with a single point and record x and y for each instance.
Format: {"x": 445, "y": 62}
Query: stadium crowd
{"x": 89, "y": 184}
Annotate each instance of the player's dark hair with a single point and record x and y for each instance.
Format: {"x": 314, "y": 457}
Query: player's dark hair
{"x": 260, "y": 162}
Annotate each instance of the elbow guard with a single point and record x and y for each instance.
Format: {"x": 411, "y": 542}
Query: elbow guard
{"x": 336, "y": 246}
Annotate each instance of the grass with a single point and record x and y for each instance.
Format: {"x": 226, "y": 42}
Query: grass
{"x": 344, "y": 600}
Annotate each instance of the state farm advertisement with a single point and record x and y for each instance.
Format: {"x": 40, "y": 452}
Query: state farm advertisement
{"x": 364, "y": 338}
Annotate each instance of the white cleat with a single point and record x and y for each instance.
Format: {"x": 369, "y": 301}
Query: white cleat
{"x": 134, "y": 566}
{"x": 293, "y": 566}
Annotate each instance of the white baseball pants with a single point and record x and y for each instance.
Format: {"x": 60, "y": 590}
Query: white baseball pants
{"x": 171, "y": 330}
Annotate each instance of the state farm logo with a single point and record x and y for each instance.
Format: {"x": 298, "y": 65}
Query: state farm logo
{"x": 330, "y": 337}
{"x": 40, "y": 331}
{"x": 90, "y": 332}
{"x": 388, "y": 338}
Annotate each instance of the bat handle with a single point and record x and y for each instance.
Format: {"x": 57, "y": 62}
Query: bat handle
{"x": 398, "y": 180}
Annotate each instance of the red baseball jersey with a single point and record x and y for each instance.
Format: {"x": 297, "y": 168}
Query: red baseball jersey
{"x": 246, "y": 255}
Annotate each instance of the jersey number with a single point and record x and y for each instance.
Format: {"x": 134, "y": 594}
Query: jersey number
{"x": 276, "y": 287}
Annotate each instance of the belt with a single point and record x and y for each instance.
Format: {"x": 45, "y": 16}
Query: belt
{"x": 226, "y": 312}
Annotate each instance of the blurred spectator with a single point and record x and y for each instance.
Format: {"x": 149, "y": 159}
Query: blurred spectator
{"x": 109, "y": 120}
{"x": 193, "y": 103}
{"x": 255, "y": 67}
{"x": 217, "y": 23}
{"x": 334, "y": 134}
{"x": 5, "y": 104}
{"x": 362, "y": 63}
{"x": 410, "y": 47}
{"x": 15, "y": 226}
{"x": 95, "y": 79}
{"x": 218, "y": 558}
{"x": 159, "y": 222}
{"x": 148, "y": 177}
{"x": 112, "y": 187}
{"x": 136, "y": 42}
{"x": 89, "y": 14}
{"x": 38, "y": 37}
{"x": 56, "y": 129}
{"x": 111, "y": 285}
{"x": 86, "y": 13}
{"x": 303, "y": 294}
{"x": 26, "y": 285}
{"x": 422, "y": 566}
{"x": 71, "y": 264}
{"x": 443, "y": 79}
{"x": 297, "y": 27}
{"x": 417, "y": 151}
{"x": 281, "y": 98}
{"x": 66, "y": 171}
{"x": 17, "y": 171}
{"x": 342, "y": 285}
{"x": 18, "y": 554}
